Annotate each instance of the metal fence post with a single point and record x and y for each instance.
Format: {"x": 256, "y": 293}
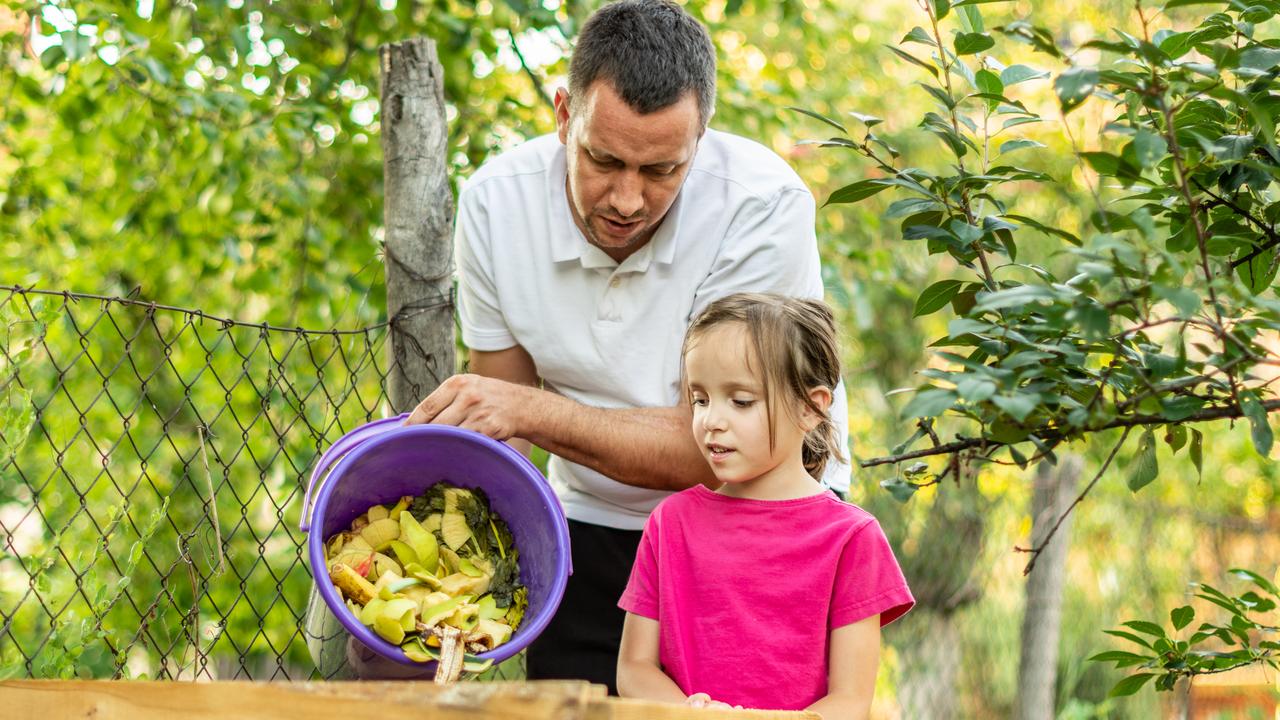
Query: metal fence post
{"x": 418, "y": 216}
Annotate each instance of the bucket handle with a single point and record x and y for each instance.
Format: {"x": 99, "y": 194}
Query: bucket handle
{"x": 344, "y": 445}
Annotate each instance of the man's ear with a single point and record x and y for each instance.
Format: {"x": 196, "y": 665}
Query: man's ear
{"x": 561, "y": 102}
{"x": 819, "y": 395}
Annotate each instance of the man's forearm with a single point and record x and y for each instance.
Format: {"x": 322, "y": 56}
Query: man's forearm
{"x": 644, "y": 447}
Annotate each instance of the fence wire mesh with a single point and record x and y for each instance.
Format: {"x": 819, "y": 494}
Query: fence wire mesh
{"x": 152, "y": 462}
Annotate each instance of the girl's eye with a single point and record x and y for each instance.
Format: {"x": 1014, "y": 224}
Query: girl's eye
{"x": 743, "y": 403}
{"x": 699, "y": 401}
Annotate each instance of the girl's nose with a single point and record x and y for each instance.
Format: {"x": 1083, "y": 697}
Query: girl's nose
{"x": 712, "y": 419}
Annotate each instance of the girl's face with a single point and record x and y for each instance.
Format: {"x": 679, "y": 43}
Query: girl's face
{"x": 731, "y": 421}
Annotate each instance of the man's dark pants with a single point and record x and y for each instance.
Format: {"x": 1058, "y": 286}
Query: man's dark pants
{"x": 581, "y": 642}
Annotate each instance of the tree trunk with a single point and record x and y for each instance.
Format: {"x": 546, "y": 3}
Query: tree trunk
{"x": 418, "y": 214}
{"x": 1055, "y": 489}
{"x": 930, "y": 667}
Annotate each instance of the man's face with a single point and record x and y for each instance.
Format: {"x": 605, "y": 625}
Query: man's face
{"x": 625, "y": 168}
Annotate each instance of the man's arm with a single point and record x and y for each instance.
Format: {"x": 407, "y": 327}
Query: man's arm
{"x": 644, "y": 447}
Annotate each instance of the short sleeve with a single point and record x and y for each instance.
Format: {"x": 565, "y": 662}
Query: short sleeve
{"x": 770, "y": 247}
{"x": 869, "y": 580}
{"x": 641, "y": 594}
{"x": 483, "y": 324}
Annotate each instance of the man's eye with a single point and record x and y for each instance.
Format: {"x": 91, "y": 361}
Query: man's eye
{"x": 661, "y": 171}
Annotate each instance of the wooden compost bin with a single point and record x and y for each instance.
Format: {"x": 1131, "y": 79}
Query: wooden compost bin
{"x": 152, "y": 700}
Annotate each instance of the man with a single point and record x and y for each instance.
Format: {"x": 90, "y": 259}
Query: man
{"x": 582, "y": 256}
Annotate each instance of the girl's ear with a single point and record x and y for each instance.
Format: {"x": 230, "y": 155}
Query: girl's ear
{"x": 819, "y": 395}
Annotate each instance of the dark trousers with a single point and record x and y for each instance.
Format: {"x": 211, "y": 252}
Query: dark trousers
{"x": 581, "y": 642}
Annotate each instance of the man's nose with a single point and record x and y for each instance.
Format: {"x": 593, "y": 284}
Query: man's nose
{"x": 627, "y": 194}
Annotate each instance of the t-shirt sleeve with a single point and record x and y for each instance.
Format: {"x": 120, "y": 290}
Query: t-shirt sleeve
{"x": 641, "y": 594}
{"x": 484, "y": 327}
{"x": 770, "y": 246}
{"x": 869, "y": 580}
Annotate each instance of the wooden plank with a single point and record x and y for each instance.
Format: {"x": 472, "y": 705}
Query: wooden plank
{"x": 626, "y": 709}
{"x": 143, "y": 700}
{"x": 158, "y": 700}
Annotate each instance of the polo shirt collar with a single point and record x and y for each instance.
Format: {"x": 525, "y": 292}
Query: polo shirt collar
{"x": 571, "y": 245}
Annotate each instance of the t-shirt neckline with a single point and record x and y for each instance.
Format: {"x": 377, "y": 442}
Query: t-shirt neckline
{"x": 705, "y": 492}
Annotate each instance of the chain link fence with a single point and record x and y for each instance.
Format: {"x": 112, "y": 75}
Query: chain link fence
{"x": 152, "y": 462}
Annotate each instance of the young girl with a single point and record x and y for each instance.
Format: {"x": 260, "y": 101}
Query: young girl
{"x": 769, "y": 592}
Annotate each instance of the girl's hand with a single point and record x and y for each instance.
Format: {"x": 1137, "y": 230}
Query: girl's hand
{"x": 704, "y": 700}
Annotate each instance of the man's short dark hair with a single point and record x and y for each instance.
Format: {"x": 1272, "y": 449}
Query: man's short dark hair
{"x": 652, "y": 51}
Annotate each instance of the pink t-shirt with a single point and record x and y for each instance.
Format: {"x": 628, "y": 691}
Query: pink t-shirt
{"x": 746, "y": 592}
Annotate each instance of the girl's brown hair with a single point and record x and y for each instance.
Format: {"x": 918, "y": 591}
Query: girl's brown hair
{"x": 795, "y": 343}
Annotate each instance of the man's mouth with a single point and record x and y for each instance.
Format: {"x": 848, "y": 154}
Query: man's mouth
{"x": 617, "y": 227}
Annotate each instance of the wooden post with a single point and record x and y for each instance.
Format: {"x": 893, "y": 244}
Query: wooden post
{"x": 418, "y": 216}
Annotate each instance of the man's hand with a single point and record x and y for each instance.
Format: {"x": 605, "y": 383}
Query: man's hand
{"x": 488, "y": 406}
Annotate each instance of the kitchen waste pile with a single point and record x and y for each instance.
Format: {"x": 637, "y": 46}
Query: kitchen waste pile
{"x": 436, "y": 575}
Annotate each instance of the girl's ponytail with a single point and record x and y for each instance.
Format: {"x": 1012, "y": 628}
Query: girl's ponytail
{"x": 820, "y": 444}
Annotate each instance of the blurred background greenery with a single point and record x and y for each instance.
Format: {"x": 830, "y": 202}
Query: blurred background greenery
{"x": 225, "y": 156}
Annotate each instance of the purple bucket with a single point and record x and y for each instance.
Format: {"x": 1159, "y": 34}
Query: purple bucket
{"x": 382, "y": 461}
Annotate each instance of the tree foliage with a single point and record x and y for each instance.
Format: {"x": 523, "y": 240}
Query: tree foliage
{"x": 1161, "y": 317}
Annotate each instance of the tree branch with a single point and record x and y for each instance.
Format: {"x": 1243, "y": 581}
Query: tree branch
{"x": 533, "y": 77}
{"x": 1051, "y": 434}
{"x": 1035, "y": 551}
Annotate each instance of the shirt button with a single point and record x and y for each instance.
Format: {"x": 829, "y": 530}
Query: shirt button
{"x": 615, "y": 282}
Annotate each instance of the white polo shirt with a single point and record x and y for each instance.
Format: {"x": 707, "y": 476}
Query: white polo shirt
{"x": 608, "y": 334}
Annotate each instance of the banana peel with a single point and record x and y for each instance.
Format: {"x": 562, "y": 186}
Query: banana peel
{"x": 352, "y": 584}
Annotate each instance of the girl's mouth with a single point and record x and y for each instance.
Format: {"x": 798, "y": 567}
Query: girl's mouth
{"x": 718, "y": 452}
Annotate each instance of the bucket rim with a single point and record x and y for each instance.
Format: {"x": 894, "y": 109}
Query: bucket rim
{"x": 315, "y": 542}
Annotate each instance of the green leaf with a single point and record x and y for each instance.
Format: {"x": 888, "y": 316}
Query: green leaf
{"x": 1260, "y": 427}
{"x": 240, "y": 38}
{"x": 1120, "y": 657}
{"x": 941, "y": 8}
{"x": 1074, "y": 86}
{"x": 1019, "y": 144}
{"x": 869, "y": 121}
{"x": 819, "y": 116}
{"x": 971, "y": 43}
{"x": 1176, "y": 437}
{"x": 1182, "y": 616}
{"x": 1017, "y": 407}
{"x": 1045, "y": 228}
{"x": 901, "y": 491}
{"x": 1197, "y": 452}
{"x": 988, "y": 82}
{"x": 52, "y": 55}
{"x": 914, "y": 60}
{"x": 1259, "y": 270}
{"x": 936, "y": 296}
{"x": 918, "y": 35}
{"x": 1105, "y": 163}
{"x": 1254, "y": 577}
{"x": 929, "y": 402}
{"x": 1130, "y": 685}
{"x": 1148, "y": 148}
{"x": 1015, "y": 74}
{"x": 1259, "y": 57}
{"x": 860, "y": 190}
{"x": 1144, "y": 468}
